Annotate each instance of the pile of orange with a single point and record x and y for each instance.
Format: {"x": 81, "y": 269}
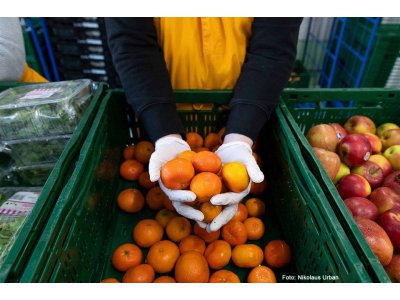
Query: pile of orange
{"x": 170, "y": 248}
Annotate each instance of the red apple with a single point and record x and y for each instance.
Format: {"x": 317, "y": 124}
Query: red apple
{"x": 377, "y": 239}
{"x": 360, "y": 124}
{"x": 329, "y": 160}
{"x": 353, "y": 185}
{"x": 393, "y": 156}
{"x": 390, "y": 137}
{"x": 393, "y": 181}
{"x": 340, "y": 131}
{"x": 376, "y": 144}
{"x": 390, "y": 222}
{"x": 382, "y": 161}
{"x": 386, "y": 126}
{"x": 393, "y": 269}
{"x": 354, "y": 149}
{"x": 370, "y": 171}
{"x": 323, "y": 136}
{"x": 362, "y": 207}
{"x": 343, "y": 171}
{"x": 385, "y": 198}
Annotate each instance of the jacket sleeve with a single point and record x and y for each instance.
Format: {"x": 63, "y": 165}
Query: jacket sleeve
{"x": 140, "y": 64}
{"x": 269, "y": 61}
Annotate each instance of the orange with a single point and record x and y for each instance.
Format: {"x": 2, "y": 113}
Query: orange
{"x": 247, "y": 255}
{"x": 178, "y": 228}
{"x": 126, "y": 256}
{"x": 258, "y": 188}
{"x": 210, "y": 211}
{"x": 216, "y": 148}
{"x": 208, "y": 237}
{"x": 131, "y": 169}
{"x": 194, "y": 140}
{"x": 212, "y": 140}
{"x": 164, "y": 279}
{"x": 192, "y": 267}
{"x": 155, "y": 198}
{"x": 147, "y": 232}
{"x": 205, "y": 185}
{"x": 234, "y": 175}
{"x": 258, "y": 159}
{"x": 241, "y": 213}
{"x": 218, "y": 254}
{"x": 164, "y": 216}
{"x": 168, "y": 204}
{"x": 234, "y": 232}
{"x": 261, "y": 274}
{"x": 129, "y": 152}
{"x": 144, "y": 181}
{"x": 255, "y": 228}
{"x": 162, "y": 256}
{"x": 221, "y": 134}
{"x": 176, "y": 174}
{"x": 188, "y": 154}
{"x": 110, "y": 280}
{"x": 255, "y": 207}
{"x": 143, "y": 151}
{"x": 200, "y": 149}
{"x": 277, "y": 254}
{"x": 130, "y": 200}
{"x": 143, "y": 273}
{"x": 192, "y": 243}
{"x": 224, "y": 276}
{"x": 206, "y": 161}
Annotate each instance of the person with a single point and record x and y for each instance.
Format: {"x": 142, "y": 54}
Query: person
{"x": 13, "y": 66}
{"x": 252, "y": 56}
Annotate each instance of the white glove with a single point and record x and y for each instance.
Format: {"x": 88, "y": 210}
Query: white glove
{"x": 236, "y": 151}
{"x": 166, "y": 149}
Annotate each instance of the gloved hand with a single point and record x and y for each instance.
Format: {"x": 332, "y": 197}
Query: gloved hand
{"x": 235, "y": 151}
{"x": 166, "y": 149}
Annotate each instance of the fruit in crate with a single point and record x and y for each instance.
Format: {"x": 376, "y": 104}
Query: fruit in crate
{"x": 390, "y": 222}
{"x": 353, "y": 185}
{"x": 143, "y": 151}
{"x": 340, "y": 131}
{"x": 384, "y": 199}
{"x": 382, "y": 161}
{"x": 393, "y": 156}
{"x": 376, "y": 144}
{"x": 354, "y": 150}
{"x": 360, "y": 124}
{"x": 192, "y": 267}
{"x": 330, "y": 161}
{"x": 362, "y": 207}
{"x": 323, "y": 136}
{"x": 389, "y": 138}
{"x": 194, "y": 140}
{"x": 393, "y": 269}
{"x": 383, "y": 127}
{"x": 377, "y": 239}
{"x": 393, "y": 181}
{"x": 370, "y": 171}
{"x": 343, "y": 171}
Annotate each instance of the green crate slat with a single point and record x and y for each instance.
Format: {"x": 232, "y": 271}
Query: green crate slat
{"x": 15, "y": 261}
{"x": 381, "y": 105}
{"x": 384, "y": 53}
{"x": 86, "y": 225}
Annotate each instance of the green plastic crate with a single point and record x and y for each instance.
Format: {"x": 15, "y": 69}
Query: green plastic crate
{"x": 381, "y": 105}
{"x": 86, "y": 225}
{"x": 383, "y": 56}
{"x": 15, "y": 261}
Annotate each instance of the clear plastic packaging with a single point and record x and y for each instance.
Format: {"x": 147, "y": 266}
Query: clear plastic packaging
{"x": 34, "y": 151}
{"x": 15, "y": 206}
{"x": 47, "y": 109}
{"x": 35, "y": 175}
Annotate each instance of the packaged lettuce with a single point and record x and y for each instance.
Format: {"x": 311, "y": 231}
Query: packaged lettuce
{"x": 33, "y": 151}
{"x": 35, "y": 175}
{"x": 47, "y": 109}
{"x": 13, "y": 213}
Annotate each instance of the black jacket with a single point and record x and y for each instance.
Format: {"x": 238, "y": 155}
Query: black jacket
{"x": 140, "y": 64}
